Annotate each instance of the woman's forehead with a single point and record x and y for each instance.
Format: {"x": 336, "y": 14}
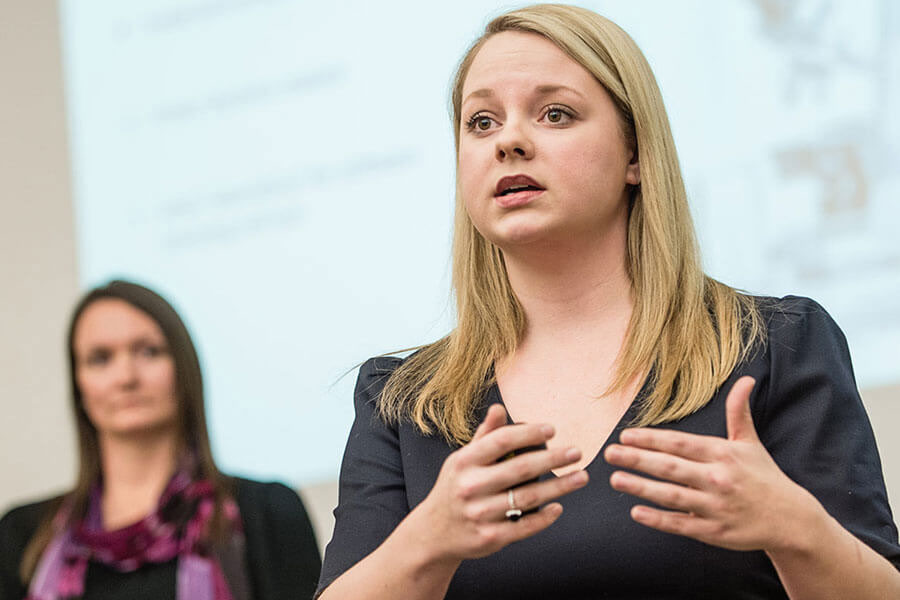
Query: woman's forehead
{"x": 514, "y": 58}
{"x": 111, "y": 321}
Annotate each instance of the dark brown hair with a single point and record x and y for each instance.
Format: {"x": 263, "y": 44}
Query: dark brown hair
{"x": 194, "y": 437}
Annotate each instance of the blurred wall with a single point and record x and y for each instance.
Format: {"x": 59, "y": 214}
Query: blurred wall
{"x": 38, "y": 275}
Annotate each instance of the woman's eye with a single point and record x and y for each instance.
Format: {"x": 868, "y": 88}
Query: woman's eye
{"x": 97, "y": 359}
{"x": 479, "y": 122}
{"x": 146, "y": 350}
{"x": 151, "y": 351}
{"x": 558, "y": 116}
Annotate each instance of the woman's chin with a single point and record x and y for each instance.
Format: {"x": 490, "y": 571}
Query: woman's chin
{"x": 137, "y": 427}
{"x": 518, "y": 233}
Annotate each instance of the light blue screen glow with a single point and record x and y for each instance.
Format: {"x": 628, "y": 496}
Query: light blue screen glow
{"x": 283, "y": 171}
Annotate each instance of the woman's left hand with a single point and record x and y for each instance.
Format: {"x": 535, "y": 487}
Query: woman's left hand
{"x": 726, "y": 492}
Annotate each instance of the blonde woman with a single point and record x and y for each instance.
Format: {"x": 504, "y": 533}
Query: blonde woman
{"x": 700, "y": 443}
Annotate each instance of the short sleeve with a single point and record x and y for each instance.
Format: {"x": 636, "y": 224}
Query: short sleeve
{"x": 816, "y": 428}
{"x": 282, "y": 553}
{"x": 372, "y": 492}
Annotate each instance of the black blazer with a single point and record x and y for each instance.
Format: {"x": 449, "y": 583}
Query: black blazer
{"x": 282, "y": 555}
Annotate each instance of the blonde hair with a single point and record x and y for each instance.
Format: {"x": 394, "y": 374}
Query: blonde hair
{"x": 687, "y": 330}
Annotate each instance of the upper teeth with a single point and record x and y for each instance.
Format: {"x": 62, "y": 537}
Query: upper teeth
{"x": 516, "y": 187}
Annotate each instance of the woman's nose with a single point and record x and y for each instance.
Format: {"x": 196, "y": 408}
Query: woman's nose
{"x": 126, "y": 370}
{"x": 514, "y": 142}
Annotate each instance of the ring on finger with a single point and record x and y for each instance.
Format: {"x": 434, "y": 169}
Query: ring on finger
{"x": 513, "y": 513}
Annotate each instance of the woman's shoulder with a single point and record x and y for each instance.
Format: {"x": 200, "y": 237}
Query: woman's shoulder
{"x": 373, "y": 374}
{"x": 266, "y": 496}
{"x": 795, "y": 318}
{"x": 281, "y": 543}
{"x": 17, "y": 527}
{"x": 805, "y": 353}
{"x": 379, "y": 366}
{"x": 19, "y": 523}
{"x": 788, "y": 306}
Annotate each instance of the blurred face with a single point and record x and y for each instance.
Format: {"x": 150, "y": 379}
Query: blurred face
{"x": 541, "y": 156}
{"x": 124, "y": 370}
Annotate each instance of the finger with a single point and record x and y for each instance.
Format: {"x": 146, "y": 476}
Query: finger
{"x": 524, "y": 498}
{"x": 500, "y": 441}
{"x": 676, "y": 522}
{"x": 528, "y": 525}
{"x": 500, "y": 476}
{"x": 738, "y": 418}
{"x": 528, "y": 465}
{"x": 657, "y": 464}
{"x": 495, "y": 418}
{"x": 701, "y": 448}
{"x": 533, "y": 495}
{"x": 664, "y": 494}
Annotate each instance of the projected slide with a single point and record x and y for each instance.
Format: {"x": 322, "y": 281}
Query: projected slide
{"x": 284, "y": 172}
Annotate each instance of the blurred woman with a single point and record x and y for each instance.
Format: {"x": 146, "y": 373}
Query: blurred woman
{"x": 151, "y": 516}
{"x": 583, "y": 312}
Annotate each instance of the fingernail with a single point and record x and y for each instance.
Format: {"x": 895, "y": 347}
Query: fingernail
{"x": 573, "y": 454}
{"x": 547, "y": 430}
{"x": 613, "y": 452}
{"x": 579, "y": 477}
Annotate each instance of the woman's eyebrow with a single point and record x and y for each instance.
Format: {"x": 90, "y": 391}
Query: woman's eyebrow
{"x": 101, "y": 347}
{"x": 482, "y": 93}
{"x": 552, "y": 88}
{"x": 147, "y": 340}
{"x": 541, "y": 90}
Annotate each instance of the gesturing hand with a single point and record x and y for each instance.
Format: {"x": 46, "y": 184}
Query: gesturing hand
{"x": 725, "y": 492}
{"x": 465, "y": 511}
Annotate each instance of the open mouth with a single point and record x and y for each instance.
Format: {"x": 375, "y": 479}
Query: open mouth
{"x": 520, "y": 188}
{"x": 513, "y": 184}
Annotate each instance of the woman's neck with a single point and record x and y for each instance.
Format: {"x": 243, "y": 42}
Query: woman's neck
{"x": 573, "y": 290}
{"x": 578, "y": 307}
{"x": 135, "y": 473}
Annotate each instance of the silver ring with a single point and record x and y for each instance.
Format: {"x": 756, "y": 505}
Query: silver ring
{"x": 513, "y": 513}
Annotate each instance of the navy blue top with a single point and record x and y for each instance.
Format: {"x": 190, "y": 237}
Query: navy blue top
{"x": 807, "y": 412}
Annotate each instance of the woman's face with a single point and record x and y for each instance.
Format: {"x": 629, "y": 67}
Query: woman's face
{"x": 124, "y": 370}
{"x": 542, "y": 157}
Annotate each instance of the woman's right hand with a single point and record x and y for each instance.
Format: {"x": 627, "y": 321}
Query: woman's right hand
{"x": 464, "y": 515}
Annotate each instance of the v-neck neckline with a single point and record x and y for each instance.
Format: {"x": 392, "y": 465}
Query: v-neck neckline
{"x": 495, "y": 397}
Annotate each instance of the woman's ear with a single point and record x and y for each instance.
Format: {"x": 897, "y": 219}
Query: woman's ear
{"x": 633, "y": 171}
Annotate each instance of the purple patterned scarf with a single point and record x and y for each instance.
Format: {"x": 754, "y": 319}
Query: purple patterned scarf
{"x": 178, "y": 528}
